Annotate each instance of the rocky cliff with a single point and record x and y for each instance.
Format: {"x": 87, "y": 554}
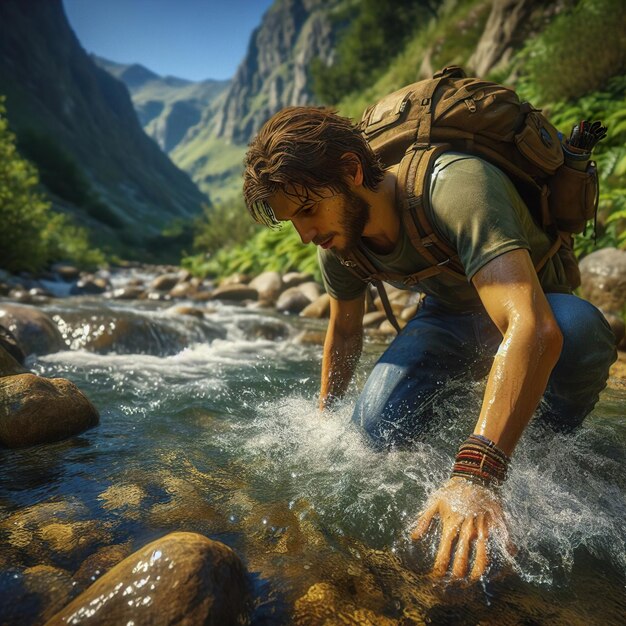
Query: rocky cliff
{"x": 275, "y": 70}
{"x": 67, "y": 107}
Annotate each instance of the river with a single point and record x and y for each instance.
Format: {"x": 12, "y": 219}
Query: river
{"x": 206, "y": 427}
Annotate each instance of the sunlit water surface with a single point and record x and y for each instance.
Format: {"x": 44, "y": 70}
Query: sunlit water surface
{"x": 223, "y": 437}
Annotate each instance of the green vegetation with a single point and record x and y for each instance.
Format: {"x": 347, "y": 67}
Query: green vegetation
{"x": 546, "y": 71}
{"x": 375, "y": 32}
{"x": 61, "y": 175}
{"x": 31, "y": 234}
{"x": 278, "y": 249}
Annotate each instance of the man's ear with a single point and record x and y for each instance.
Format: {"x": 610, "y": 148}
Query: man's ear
{"x": 353, "y": 167}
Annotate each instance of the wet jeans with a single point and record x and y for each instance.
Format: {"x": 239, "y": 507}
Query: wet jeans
{"x": 438, "y": 348}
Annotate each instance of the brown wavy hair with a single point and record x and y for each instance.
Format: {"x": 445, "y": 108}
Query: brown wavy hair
{"x": 302, "y": 148}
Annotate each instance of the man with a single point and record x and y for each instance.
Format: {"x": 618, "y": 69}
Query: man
{"x": 543, "y": 348}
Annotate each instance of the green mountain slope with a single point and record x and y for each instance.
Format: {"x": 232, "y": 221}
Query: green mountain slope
{"x": 167, "y": 106}
{"x": 77, "y": 123}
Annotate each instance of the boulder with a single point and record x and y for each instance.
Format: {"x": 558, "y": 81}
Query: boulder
{"x": 90, "y": 285}
{"x": 96, "y": 564}
{"x": 35, "y": 331}
{"x": 235, "y": 279}
{"x": 235, "y": 293}
{"x": 311, "y": 290}
{"x": 182, "y": 578}
{"x": 292, "y": 300}
{"x": 263, "y": 328}
{"x": 183, "y": 289}
{"x": 318, "y": 309}
{"x": 130, "y": 292}
{"x": 269, "y": 285}
{"x": 603, "y": 275}
{"x": 165, "y": 282}
{"x": 36, "y": 410}
{"x": 311, "y": 338}
{"x": 293, "y": 279}
{"x": 618, "y": 327}
{"x": 186, "y": 310}
{"x": 65, "y": 271}
{"x": 34, "y": 595}
{"x": 373, "y": 319}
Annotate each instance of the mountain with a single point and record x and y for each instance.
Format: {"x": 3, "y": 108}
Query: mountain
{"x": 167, "y": 106}
{"x": 274, "y": 73}
{"x": 77, "y": 123}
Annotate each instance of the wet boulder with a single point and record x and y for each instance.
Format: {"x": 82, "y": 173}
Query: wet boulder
{"x": 35, "y": 331}
{"x": 130, "y": 292}
{"x": 36, "y": 410}
{"x": 182, "y": 578}
{"x": 268, "y": 285}
{"x": 293, "y": 300}
{"x": 165, "y": 282}
{"x": 603, "y": 275}
{"x": 318, "y": 309}
{"x": 294, "y": 279}
{"x": 235, "y": 293}
{"x": 263, "y": 328}
{"x": 89, "y": 284}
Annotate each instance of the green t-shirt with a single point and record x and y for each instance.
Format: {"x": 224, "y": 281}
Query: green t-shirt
{"x": 475, "y": 208}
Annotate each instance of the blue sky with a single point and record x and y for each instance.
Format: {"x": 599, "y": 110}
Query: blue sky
{"x": 193, "y": 39}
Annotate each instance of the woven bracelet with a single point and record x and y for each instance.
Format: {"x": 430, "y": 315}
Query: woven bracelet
{"x": 479, "y": 460}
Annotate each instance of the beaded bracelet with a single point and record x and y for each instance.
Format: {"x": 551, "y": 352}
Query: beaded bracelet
{"x": 480, "y": 460}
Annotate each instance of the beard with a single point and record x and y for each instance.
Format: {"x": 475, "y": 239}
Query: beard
{"x": 356, "y": 213}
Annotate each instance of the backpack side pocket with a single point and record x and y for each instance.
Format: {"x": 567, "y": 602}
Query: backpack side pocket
{"x": 573, "y": 197}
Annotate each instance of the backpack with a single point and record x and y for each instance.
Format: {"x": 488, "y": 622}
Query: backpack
{"x": 414, "y": 125}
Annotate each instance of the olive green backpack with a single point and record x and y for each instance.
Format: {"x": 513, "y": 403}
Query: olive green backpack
{"x": 414, "y": 125}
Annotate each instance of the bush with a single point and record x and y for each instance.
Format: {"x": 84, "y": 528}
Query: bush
{"x": 372, "y": 38}
{"x": 579, "y": 51}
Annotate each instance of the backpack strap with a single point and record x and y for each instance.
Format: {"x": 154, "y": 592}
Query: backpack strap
{"x": 412, "y": 197}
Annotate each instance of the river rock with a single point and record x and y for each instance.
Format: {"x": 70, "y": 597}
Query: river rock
{"x": 387, "y": 327}
{"x": 322, "y": 604}
{"x": 90, "y": 285}
{"x": 263, "y": 328}
{"x": 65, "y": 271}
{"x": 293, "y": 279}
{"x": 35, "y": 331}
{"x": 373, "y": 319}
{"x": 269, "y": 285}
{"x": 129, "y": 292}
{"x": 182, "y": 578}
{"x": 186, "y": 310}
{"x": 318, "y": 309}
{"x": 101, "y": 561}
{"x": 36, "y": 410}
{"x": 603, "y": 275}
{"x": 183, "y": 289}
{"x": 292, "y": 300}
{"x": 165, "y": 282}
{"x": 34, "y": 595}
{"x": 311, "y": 338}
{"x": 235, "y": 279}
{"x": 235, "y": 293}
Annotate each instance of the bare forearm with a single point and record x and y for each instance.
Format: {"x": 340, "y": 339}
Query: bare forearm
{"x": 516, "y": 383}
{"x": 341, "y": 355}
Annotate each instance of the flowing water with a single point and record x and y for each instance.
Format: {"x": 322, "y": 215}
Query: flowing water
{"x": 211, "y": 426}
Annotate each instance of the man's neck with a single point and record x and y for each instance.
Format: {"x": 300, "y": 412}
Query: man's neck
{"x": 383, "y": 227}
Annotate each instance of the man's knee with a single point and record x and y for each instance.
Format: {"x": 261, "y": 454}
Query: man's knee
{"x": 588, "y": 341}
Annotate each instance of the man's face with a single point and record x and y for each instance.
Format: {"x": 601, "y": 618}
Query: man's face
{"x": 327, "y": 219}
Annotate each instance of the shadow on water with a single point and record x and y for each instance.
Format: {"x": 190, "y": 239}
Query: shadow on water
{"x": 224, "y": 438}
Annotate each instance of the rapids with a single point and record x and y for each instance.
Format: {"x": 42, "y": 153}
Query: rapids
{"x": 210, "y": 426}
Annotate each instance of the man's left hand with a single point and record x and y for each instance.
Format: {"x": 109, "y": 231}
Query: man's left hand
{"x": 469, "y": 514}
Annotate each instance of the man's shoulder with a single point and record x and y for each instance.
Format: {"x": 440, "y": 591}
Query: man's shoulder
{"x": 461, "y": 164}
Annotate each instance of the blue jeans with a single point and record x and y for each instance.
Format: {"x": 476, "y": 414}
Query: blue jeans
{"x": 438, "y": 347}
